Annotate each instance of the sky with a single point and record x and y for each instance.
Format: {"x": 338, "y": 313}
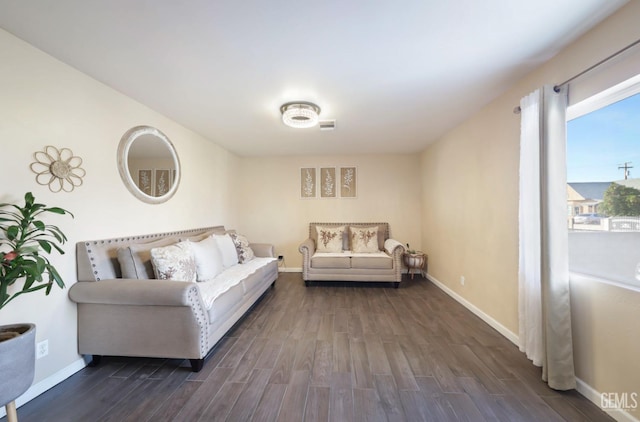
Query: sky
{"x": 601, "y": 141}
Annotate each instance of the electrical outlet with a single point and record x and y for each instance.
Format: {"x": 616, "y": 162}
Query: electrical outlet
{"x": 462, "y": 280}
{"x": 42, "y": 349}
{"x": 280, "y": 257}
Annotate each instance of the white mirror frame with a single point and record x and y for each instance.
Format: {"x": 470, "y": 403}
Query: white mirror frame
{"x": 123, "y": 167}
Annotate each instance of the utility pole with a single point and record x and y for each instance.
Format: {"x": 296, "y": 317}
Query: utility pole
{"x": 626, "y": 168}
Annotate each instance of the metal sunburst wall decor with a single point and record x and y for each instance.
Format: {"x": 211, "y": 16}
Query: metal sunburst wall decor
{"x": 58, "y": 169}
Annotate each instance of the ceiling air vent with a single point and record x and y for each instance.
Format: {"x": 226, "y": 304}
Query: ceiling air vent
{"x": 327, "y": 124}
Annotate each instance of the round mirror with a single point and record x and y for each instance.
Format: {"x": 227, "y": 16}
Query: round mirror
{"x": 148, "y": 164}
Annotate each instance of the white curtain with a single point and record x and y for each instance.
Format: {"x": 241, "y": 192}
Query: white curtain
{"x": 544, "y": 303}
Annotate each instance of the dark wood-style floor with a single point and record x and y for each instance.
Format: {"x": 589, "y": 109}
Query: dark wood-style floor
{"x": 339, "y": 352}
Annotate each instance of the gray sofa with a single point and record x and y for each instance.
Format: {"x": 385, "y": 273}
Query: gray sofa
{"x": 159, "y": 318}
{"x": 384, "y": 265}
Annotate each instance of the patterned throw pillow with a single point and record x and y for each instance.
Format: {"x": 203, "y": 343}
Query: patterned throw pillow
{"x": 174, "y": 262}
{"x": 364, "y": 239}
{"x": 245, "y": 253}
{"x": 329, "y": 239}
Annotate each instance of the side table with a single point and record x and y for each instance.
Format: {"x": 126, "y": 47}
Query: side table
{"x": 414, "y": 261}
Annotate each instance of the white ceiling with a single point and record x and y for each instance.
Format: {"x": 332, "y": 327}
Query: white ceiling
{"x": 394, "y": 74}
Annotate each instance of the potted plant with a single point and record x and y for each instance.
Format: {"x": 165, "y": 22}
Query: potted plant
{"x": 25, "y": 240}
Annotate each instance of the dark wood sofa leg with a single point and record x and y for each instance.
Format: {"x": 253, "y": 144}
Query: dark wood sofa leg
{"x": 196, "y": 364}
{"x": 396, "y": 285}
{"x": 95, "y": 361}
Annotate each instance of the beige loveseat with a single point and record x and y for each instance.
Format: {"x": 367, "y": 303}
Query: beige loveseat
{"x": 142, "y": 316}
{"x": 383, "y": 262}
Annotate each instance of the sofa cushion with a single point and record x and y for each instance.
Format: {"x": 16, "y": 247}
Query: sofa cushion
{"x": 232, "y": 276}
{"x": 208, "y": 258}
{"x": 329, "y": 239}
{"x": 174, "y": 262}
{"x": 376, "y": 260}
{"x": 227, "y": 249}
{"x": 223, "y": 304}
{"x": 135, "y": 259}
{"x": 364, "y": 239}
{"x": 330, "y": 260}
{"x": 245, "y": 253}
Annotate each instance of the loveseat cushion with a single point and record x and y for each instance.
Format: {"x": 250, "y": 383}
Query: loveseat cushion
{"x": 330, "y": 260}
{"x": 377, "y": 260}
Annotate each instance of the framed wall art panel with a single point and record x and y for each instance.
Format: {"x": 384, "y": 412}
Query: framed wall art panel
{"x": 145, "y": 181}
{"x": 348, "y": 182}
{"x": 328, "y": 183}
{"x": 162, "y": 182}
{"x": 308, "y": 182}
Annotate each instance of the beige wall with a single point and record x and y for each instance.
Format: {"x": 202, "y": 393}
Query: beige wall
{"x": 271, "y": 209}
{"x": 45, "y": 102}
{"x": 470, "y": 218}
{"x": 457, "y": 201}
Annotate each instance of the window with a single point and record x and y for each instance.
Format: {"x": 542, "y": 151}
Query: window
{"x": 603, "y": 156}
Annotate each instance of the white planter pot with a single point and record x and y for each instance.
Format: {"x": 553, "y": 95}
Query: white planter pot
{"x": 17, "y": 361}
{"x": 414, "y": 261}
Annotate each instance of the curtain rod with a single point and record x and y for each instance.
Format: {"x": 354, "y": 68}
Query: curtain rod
{"x": 556, "y": 88}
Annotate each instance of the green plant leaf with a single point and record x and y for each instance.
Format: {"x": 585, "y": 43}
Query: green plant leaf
{"x": 45, "y": 245}
{"x": 24, "y": 231}
{"x": 53, "y": 273}
{"x": 12, "y": 232}
{"x": 31, "y": 249}
{"x": 58, "y": 248}
{"x": 58, "y": 210}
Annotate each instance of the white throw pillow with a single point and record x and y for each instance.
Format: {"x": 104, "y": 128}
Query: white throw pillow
{"x": 227, "y": 249}
{"x": 174, "y": 262}
{"x": 329, "y": 239}
{"x": 208, "y": 258}
{"x": 364, "y": 239}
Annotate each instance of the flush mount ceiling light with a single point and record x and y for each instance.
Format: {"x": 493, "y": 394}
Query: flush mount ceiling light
{"x": 300, "y": 114}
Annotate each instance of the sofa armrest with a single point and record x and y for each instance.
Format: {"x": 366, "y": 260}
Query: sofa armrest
{"x": 395, "y": 249}
{"x": 134, "y": 292}
{"x": 307, "y": 249}
{"x": 392, "y": 246}
{"x": 131, "y": 317}
{"x": 265, "y": 250}
{"x": 307, "y": 246}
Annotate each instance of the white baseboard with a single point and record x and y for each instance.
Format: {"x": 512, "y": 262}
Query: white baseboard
{"x": 594, "y": 396}
{"x": 36, "y": 389}
{"x": 582, "y": 387}
{"x": 510, "y": 335}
